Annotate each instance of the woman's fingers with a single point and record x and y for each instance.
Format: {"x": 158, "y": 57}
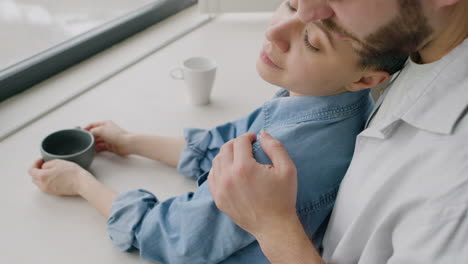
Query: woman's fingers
{"x": 93, "y": 125}
{"x": 50, "y": 164}
{"x": 101, "y": 146}
{"x": 96, "y": 131}
{"x": 38, "y": 164}
{"x": 36, "y": 167}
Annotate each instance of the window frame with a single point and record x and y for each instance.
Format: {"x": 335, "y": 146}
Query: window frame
{"x": 238, "y": 6}
{"x": 27, "y": 73}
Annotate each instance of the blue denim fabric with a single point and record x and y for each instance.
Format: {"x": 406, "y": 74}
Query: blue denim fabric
{"x": 319, "y": 134}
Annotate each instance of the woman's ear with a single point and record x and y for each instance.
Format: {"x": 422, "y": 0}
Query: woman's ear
{"x": 368, "y": 80}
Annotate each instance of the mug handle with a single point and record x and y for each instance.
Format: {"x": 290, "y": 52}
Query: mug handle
{"x": 177, "y": 74}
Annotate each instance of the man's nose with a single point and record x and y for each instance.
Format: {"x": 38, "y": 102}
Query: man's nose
{"x": 280, "y": 34}
{"x": 314, "y": 10}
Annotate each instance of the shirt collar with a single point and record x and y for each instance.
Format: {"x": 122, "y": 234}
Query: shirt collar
{"x": 438, "y": 101}
{"x": 283, "y": 108}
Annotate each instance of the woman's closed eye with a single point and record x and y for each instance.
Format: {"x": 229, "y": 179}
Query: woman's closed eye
{"x": 306, "y": 34}
{"x": 308, "y": 44}
{"x": 289, "y": 6}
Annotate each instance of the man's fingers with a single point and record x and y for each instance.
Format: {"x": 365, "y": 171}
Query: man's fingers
{"x": 225, "y": 155}
{"x": 212, "y": 184}
{"x": 277, "y": 153}
{"x": 220, "y": 162}
{"x": 243, "y": 148}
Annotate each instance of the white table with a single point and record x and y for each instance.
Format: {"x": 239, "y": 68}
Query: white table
{"x": 39, "y": 228}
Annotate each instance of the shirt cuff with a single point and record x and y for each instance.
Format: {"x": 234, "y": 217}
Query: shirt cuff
{"x": 193, "y": 155}
{"x": 127, "y": 213}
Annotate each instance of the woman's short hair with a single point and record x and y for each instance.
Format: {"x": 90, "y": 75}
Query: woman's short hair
{"x": 389, "y": 62}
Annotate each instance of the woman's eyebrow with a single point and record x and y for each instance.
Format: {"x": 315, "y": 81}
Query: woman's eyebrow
{"x": 326, "y": 32}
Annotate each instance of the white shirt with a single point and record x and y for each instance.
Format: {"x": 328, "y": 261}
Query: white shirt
{"x": 406, "y": 80}
{"x": 404, "y": 198}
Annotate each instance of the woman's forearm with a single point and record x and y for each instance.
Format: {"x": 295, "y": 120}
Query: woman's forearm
{"x": 286, "y": 242}
{"x": 97, "y": 194}
{"x": 164, "y": 149}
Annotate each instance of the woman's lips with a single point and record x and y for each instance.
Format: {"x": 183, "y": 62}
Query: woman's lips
{"x": 268, "y": 61}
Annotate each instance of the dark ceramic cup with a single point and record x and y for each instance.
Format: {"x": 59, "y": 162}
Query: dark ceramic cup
{"x": 76, "y": 145}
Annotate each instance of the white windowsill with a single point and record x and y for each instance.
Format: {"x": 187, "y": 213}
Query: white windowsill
{"x": 25, "y": 108}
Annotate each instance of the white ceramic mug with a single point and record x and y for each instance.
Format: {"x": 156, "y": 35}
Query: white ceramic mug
{"x": 199, "y": 75}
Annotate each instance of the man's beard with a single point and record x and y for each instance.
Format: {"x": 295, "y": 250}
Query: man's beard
{"x": 403, "y": 35}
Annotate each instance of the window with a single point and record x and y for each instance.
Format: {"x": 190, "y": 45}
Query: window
{"x": 224, "y": 6}
{"x": 62, "y": 40}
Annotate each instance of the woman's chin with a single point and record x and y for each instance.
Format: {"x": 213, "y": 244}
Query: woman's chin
{"x": 266, "y": 74}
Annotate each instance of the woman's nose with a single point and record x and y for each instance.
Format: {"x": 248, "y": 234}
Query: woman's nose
{"x": 314, "y": 10}
{"x": 281, "y": 33}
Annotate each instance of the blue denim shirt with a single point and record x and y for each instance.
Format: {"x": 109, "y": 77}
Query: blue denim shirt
{"x": 319, "y": 134}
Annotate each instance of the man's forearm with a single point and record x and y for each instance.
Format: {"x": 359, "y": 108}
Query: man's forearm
{"x": 287, "y": 243}
{"x": 164, "y": 149}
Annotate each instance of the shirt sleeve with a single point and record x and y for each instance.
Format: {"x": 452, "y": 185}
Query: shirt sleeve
{"x": 184, "y": 229}
{"x": 203, "y": 145}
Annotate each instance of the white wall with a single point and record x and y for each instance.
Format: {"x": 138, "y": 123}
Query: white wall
{"x": 225, "y": 6}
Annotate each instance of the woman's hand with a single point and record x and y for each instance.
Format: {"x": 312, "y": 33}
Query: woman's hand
{"x": 259, "y": 198}
{"x": 109, "y": 137}
{"x": 58, "y": 177}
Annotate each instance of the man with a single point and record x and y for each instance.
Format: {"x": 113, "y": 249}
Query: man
{"x": 404, "y": 198}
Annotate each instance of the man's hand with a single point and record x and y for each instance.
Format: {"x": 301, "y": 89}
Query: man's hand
{"x": 262, "y": 198}
{"x": 257, "y": 197}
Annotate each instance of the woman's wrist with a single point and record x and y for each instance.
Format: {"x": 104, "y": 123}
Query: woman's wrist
{"x": 128, "y": 143}
{"x": 97, "y": 194}
{"x": 83, "y": 180}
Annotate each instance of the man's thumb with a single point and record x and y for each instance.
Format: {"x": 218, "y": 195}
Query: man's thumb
{"x": 276, "y": 152}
